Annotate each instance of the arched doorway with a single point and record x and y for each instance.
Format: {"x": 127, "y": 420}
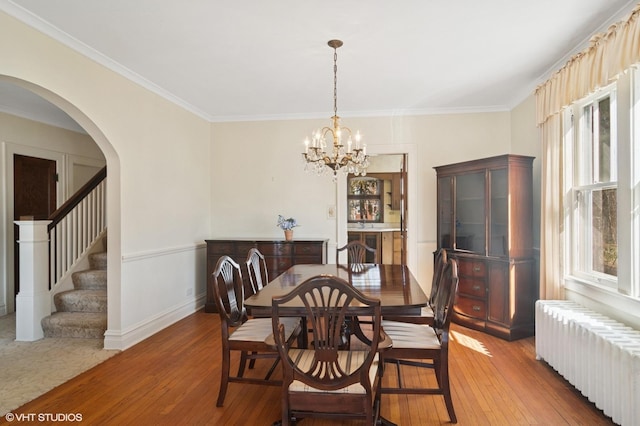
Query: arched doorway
{"x": 11, "y": 144}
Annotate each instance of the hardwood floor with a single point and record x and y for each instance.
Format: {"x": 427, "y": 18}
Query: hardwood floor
{"x": 173, "y": 378}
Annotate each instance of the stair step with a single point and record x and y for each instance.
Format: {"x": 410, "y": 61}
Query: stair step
{"x": 81, "y": 301}
{"x": 85, "y": 325}
{"x": 98, "y": 260}
{"x": 92, "y": 279}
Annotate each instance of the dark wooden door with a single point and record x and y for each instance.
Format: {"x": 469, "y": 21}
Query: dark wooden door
{"x": 34, "y": 195}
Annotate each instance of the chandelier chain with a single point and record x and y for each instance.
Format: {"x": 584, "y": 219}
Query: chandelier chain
{"x": 335, "y": 81}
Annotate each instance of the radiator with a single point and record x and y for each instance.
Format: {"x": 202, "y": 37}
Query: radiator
{"x": 597, "y": 355}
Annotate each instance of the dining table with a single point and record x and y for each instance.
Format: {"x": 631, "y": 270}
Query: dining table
{"x": 396, "y": 287}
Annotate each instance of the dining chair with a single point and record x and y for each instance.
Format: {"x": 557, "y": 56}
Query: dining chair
{"x": 257, "y": 270}
{"x": 426, "y": 313}
{"x": 423, "y": 345}
{"x": 324, "y": 380}
{"x": 356, "y": 252}
{"x": 258, "y": 278}
{"x": 242, "y": 334}
{"x": 356, "y": 259}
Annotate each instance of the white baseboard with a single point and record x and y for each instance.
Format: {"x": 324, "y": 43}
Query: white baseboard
{"x": 121, "y": 340}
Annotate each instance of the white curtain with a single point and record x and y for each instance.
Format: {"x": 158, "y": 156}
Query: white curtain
{"x": 551, "y": 218}
{"x": 607, "y": 56}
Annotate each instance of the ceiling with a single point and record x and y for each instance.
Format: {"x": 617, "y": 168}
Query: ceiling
{"x": 260, "y": 60}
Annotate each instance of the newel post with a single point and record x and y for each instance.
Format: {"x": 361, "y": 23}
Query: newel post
{"x": 33, "y": 302}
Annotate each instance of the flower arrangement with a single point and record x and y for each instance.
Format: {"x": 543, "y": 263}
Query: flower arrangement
{"x": 286, "y": 224}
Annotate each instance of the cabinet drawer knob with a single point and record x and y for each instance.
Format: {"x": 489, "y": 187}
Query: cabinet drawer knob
{"x": 476, "y": 308}
{"x": 476, "y": 269}
{"x": 476, "y": 287}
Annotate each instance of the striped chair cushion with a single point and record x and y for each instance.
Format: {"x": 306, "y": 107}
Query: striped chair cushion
{"x": 258, "y": 329}
{"x": 408, "y": 335}
{"x": 426, "y": 311}
{"x": 348, "y": 360}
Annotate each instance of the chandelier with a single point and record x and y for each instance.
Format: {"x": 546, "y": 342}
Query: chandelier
{"x": 326, "y": 152}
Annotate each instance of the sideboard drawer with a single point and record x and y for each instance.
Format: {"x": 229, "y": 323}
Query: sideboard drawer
{"x": 471, "y": 307}
{"x": 472, "y": 287}
{"x": 275, "y": 249}
{"x": 242, "y": 249}
{"x": 308, "y": 249}
{"x": 219, "y": 249}
{"x": 471, "y": 268}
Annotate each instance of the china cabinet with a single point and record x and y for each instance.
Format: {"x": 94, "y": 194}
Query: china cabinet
{"x": 485, "y": 212}
{"x": 364, "y": 199}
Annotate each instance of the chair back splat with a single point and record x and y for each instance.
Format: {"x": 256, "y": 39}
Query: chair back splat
{"x": 257, "y": 270}
{"x": 229, "y": 292}
{"x": 440, "y": 262}
{"x": 424, "y": 345}
{"x": 356, "y": 253}
{"x": 324, "y": 380}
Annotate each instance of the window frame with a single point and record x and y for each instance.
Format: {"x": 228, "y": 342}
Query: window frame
{"x": 583, "y": 174}
{"x": 625, "y": 127}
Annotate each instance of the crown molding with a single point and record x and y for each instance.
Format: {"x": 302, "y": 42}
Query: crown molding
{"x": 55, "y": 33}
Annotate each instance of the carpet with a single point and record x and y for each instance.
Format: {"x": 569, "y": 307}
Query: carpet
{"x": 30, "y": 369}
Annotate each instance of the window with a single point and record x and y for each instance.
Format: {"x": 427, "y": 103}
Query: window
{"x": 602, "y": 235}
{"x": 364, "y": 200}
{"x": 594, "y": 190}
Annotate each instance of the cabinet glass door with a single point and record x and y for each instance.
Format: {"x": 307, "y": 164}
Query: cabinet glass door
{"x": 445, "y": 213}
{"x": 499, "y": 220}
{"x": 470, "y": 226}
{"x": 364, "y": 200}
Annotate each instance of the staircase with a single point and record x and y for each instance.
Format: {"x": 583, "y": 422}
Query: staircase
{"x": 81, "y": 312}
{"x": 56, "y": 251}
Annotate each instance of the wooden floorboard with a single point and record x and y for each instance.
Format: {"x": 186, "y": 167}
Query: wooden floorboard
{"x": 173, "y": 378}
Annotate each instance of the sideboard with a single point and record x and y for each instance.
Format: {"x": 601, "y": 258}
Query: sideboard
{"x": 279, "y": 255}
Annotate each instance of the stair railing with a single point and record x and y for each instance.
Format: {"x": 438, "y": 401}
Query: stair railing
{"x": 76, "y": 225}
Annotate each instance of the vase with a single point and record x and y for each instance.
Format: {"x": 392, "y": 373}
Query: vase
{"x": 288, "y": 234}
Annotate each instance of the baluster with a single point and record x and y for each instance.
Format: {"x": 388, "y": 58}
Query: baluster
{"x": 76, "y": 225}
